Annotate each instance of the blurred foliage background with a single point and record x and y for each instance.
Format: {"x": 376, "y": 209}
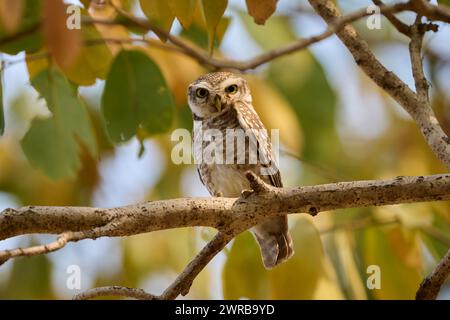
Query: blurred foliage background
{"x": 71, "y": 137}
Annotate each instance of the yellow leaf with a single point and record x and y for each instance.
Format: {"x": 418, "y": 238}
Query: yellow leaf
{"x": 356, "y": 288}
{"x": 276, "y": 113}
{"x": 178, "y": 70}
{"x": 400, "y": 273}
{"x": 91, "y": 63}
{"x": 63, "y": 44}
{"x": 35, "y": 66}
{"x": 244, "y": 275}
{"x": 11, "y": 12}
{"x": 261, "y": 10}
{"x": 158, "y": 12}
{"x": 298, "y": 278}
{"x": 107, "y": 12}
{"x": 183, "y": 10}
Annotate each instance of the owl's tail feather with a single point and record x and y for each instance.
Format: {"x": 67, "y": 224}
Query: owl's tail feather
{"x": 274, "y": 241}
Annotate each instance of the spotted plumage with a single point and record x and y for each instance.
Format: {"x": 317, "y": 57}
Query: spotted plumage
{"x": 222, "y": 109}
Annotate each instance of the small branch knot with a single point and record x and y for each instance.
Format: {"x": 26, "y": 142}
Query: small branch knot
{"x": 256, "y": 183}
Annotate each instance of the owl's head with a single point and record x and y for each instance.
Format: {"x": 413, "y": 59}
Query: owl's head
{"x": 215, "y": 92}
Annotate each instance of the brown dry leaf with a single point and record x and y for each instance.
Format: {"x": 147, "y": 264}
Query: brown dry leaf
{"x": 261, "y": 10}
{"x": 63, "y": 44}
{"x": 11, "y": 12}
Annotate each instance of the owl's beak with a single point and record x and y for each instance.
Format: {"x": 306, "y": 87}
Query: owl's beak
{"x": 218, "y": 103}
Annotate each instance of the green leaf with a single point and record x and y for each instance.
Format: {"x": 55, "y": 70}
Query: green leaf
{"x": 30, "y": 38}
{"x": 135, "y": 94}
{"x": 51, "y": 144}
{"x": 2, "y": 116}
{"x": 244, "y": 274}
{"x": 213, "y": 11}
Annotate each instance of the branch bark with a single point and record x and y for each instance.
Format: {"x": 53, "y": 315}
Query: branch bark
{"x": 230, "y": 216}
{"x": 431, "y": 285}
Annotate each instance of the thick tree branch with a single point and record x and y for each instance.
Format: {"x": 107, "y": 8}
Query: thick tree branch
{"x": 230, "y": 216}
{"x": 225, "y": 214}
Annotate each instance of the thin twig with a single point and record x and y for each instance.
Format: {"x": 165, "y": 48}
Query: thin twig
{"x": 183, "y": 282}
{"x": 60, "y": 242}
{"x": 203, "y": 58}
{"x": 415, "y": 50}
{"x": 399, "y": 25}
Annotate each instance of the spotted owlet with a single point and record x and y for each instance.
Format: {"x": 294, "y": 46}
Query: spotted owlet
{"x": 221, "y": 106}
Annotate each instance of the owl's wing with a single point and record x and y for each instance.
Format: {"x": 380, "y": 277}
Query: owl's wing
{"x": 249, "y": 119}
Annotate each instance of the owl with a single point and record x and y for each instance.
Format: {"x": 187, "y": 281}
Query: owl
{"x": 221, "y": 106}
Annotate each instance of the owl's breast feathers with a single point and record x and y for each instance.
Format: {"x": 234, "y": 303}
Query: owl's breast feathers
{"x": 227, "y": 178}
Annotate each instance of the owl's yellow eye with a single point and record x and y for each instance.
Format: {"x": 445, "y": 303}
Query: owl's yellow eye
{"x": 231, "y": 89}
{"x": 201, "y": 92}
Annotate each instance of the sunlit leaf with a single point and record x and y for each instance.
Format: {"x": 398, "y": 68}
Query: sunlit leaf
{"x": 243, "y": 273}
{"x": 266, "y": 98}
{"x": 107, "y": 12}
{"x": 398, "y": 256}
{"x": 11, "y": 12}
{"x": 51, "y": 144}
{"x": 158, "y": 12}
{"x": 86, "y": 3}
{"x": 63, "y": 43}
{"x": 198, "y": 34}
{"x": 261, "y": 10}
{"x": 298, "y": 277}
{"x": 183, "y": 10}
{"x": 91, "y": 63}
{"x": 135, "y": 94}
{"x": 213, "y": 12}
{"x": 178, "y": 71}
